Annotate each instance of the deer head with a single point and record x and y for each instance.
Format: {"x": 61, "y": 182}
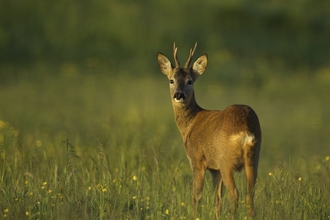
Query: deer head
{"x": 182, "y": 79}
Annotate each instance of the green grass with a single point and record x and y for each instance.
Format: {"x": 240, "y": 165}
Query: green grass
{"x": 99, "y": 147}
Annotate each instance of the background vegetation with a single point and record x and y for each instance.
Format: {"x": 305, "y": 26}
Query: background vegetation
{"x": 86, "y": 124}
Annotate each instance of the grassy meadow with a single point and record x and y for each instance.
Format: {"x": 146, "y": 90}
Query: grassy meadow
{"x": 102, "y": 146}
{"x": 86, "y": 124}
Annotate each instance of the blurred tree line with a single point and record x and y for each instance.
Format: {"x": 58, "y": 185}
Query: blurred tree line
{"x": 240, "y": 34}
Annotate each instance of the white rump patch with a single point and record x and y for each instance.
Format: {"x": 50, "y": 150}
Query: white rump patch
{"x": 249, "y": 139}
{"x": 244, "y": 138}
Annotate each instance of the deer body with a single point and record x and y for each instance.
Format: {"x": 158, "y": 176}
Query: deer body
{"x": 219, "y": 141}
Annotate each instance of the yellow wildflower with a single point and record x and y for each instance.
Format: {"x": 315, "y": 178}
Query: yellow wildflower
{"x": 2, "y": 124}
{"x": 38, "y": 143}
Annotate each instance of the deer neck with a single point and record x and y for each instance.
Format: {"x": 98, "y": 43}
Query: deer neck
{"x": 185, "y": 114}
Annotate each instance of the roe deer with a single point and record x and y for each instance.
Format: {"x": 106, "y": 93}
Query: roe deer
{"x": 219, "y": 141}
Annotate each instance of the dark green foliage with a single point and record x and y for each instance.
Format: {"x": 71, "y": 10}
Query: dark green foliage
{"x": 238, "y": 35}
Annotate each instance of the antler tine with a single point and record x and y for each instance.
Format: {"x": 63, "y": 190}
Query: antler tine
{"x": 191, "y": 54}
{"x": 175, "y": 50}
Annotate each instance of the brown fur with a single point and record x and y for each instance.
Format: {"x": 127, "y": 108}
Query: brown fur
{"x": 219, "y": 141}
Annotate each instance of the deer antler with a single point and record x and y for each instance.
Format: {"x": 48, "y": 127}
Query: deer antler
{"x": 190, "y": 56}
{"x": 175, "y": 50}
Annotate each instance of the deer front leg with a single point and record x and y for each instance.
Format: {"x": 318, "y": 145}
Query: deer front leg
{"x": 198, "y": 184}
{"x": 217, "y": 185}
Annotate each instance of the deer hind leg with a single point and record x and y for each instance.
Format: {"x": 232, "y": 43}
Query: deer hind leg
{"x": 250, "y": 183}
{"x": 228, "y": 180}
{"x": 198, "y": 184}
{"x": 251, "y": 171}
{"x": 218, "y": 185}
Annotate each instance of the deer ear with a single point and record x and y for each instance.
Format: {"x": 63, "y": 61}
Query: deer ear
{"x": 200, "y": 64}
{"x": 164, "y": 64}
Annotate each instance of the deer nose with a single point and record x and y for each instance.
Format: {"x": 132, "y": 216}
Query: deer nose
{"x": 179, "y": 97}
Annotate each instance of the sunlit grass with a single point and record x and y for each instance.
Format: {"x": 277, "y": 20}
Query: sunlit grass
{"x": 95, "y": 147}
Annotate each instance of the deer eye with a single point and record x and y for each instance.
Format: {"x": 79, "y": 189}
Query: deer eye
{"x": 171, "y": 81}
{"x": 190, "y": 82}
